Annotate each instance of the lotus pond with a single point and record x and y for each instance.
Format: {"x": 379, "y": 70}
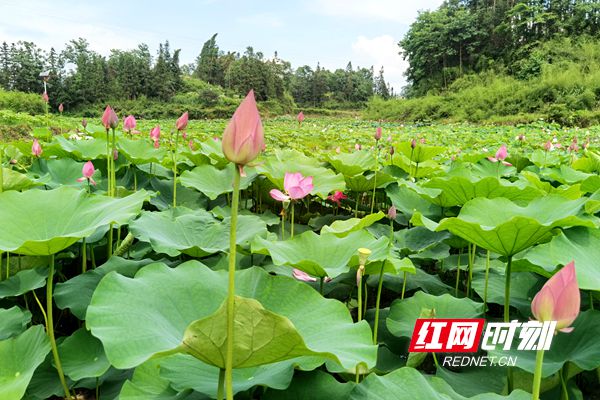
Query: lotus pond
{"x": 114, "y": 261}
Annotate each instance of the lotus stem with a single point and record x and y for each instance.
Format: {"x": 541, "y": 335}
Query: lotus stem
{"x": 359, "y": 297}
{"x": 112, "y": 161}
{"x": 1, "y": 177}
{"x": 108, "y": 156}
{"x": 292, "y": 223}
{"x": 472, "y": 250}
{"x": 356, "y": 207}
{"x": 457, "y": 273}
{"x": 39, "y": 303}
{"x": 563, "y": 383}
{"x": 231, "y": 287}
{"x": 487, "y": 275}
{"x": 537, "y": 375}
{"x": 7, "y": 265}
{"x": 416, "y": 170}
{"x": 109, "y": 249}
{"x": 375, "y": 180}
{"x": 377, "y": 301}
{"x": 50, "y": 329}
{"x": 125, "y": 245}
{"x": 221, "y": 384}
{"x": 403, "y": 285}
{"x": 412, "y": 151}
{"x": 507, "y": 290}
{"x": 134, "y": 180}
{"x": 83, "y": 256}
{"x": 174, "y": 156}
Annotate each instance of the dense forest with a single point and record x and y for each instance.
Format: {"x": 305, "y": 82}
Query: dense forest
{"x": 80, "y": 77}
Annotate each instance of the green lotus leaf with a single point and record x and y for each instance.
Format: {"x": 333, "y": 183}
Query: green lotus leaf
{"x": 83, "y": 149}
{"x": 542, "y": 158}
{"x": 82, "y": 356}
{"x": 351, "y": 164}
{"x": 186, "y": 372}
{"x": 322, "y": 255}
{"x": 14, "y": 320}
{"x": 13, "y": 180}
{"x": 572, "y": 192}
{"x": 523, "y": 288}
{"x": 420, "y": 153}
{"x": 409, "y": 384}
{"x": 60, "y": 172}
{"x": 306, "y": 385}
{"x": 19, "y": 357}
{"x": 76, "y": 293}
{"x": 565, "y": 175}
{"x": 579, "y": 347}
{"x": 404, "y": 313}
{"x": 44, "y": 222}
{"x": 133, "y": 326}
{"x": 214, "y": 182}
{"x": 23, "y": 282}
{"x": 579, "y": 244}
{"x": 196, "y": 233}
{"x": 186, "y": 197}
{"x": 141, "y": 151}
{"x": 503, "y": 227}
{"x": 364, "y": 183}
{"x": 342, "y": 228}
{"x": 325, "y": 181}
{"x": 421, "y": 170}
{"x": 213, "y": 150}
{"x": 408, "y": 202}
{"x": 457, "y": 190}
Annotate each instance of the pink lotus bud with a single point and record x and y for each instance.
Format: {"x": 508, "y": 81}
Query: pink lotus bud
{"x": 392, "y": 151}
{"x": 422, "y": 140}
{"x": 184, "y": 136}
{"x": 357, "y": 146}
{"x": 36, "y": 148}
{"x": 84, "y": 123}
{"x": 559, "y": 299}
{"x": 392, "y": 213}
{"x": 548, "y": 146}
{"x": 300, "y": 117}
{"x": 243, "y": 137}
{"x": 87, "y": 171}
{"x": 61, "y": 108}
{"x": 338, "y": 150}
{"x": 302, "y": 276}
{"x": 115, "y": 154}
{"x": 502, "y": 153}
{"x": 378, "y": 133}
{"x": 45, "y": 97}
{"x": 109, "y": 118}
{"x": 129, "y": 123}
{"x": 413, "y": 143}
{"x": 155, "y": 133}
{"x": 182, "y": 121}
{"x": 191, "y": 145}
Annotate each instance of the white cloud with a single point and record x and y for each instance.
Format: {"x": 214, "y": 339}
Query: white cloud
{"x": 381, "y": 51}
{"x": 262, "y": 20}
{"x": 404, "y": 12}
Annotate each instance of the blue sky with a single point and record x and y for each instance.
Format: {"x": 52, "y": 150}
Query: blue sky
{"x": 331, "y": 32}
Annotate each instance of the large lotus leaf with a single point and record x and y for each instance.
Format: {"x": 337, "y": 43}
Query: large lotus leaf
{"x": 325, "y": 181}
{"x": 409, "y": 384}
{"x": 14, "y": 320}
{"x": 579, "y": 347}
{"x": 422, "y": 169}
{"x": 503, "y": 227}
{"x": 44, "y": 222}
{"x": 82, "y": 356}
{"x": 342, "y": 228}
{"x": 580, "y": 244}
{"x": 474, "y": 381}
{"x": 83, "y": 149}
{"x": 186, "y": 372}
{"x": 313, "y": 385}
{"x": 420, "y": 152}
{"x": 186, "y": 197}
{"x": 365, "y": 183}
{"x": 404, "y": 313}
{"x": 565, "y": 175}
{"x": 23, "y": 282}
{"x": 196, "y": 233}
{"x": 13, "y": 180}
{"x": 320, "y": 255}
{"x": 147, "y": 384}
{"x": 523, "y": 288}
{"x": 408, "y": 202}
{"x": 213, "y": 181}
{"x": 420, "y": 281}
{"x": 76, "y": 293}
{"x": 457, "y": 190}
{"x": 134, "y": 326}
{"x": 572, "y": 192}
{"x": 141, "y": 151}
{"x": 355, "y": 163}
{"x": 19, "y": 357}
{"x": 60, "y": 172}
{"x": 543, "y": 158}
{"x": 212, "y": 149}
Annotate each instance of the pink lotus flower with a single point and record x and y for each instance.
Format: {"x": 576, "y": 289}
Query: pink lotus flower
{"x": 129, "y": 123}
{"x": 87, "y": 171}
{"x": 182, "y": 121}
{"x": 300, "y": 118}
{"x": 559, "y": 299}
{"x": 61, "y": 108}
{"x": 357, "y": 146}
{"x": 548, "y": 146}
{"x": 109, "y": 118}
{"x": 155, "y": 133}
{"x": 337, "y": 197}
{"x": 413, "y": 143}
{"x": 392, "y": 213}
{"x": 243, "y": 137}
{"x": 45, "y": 97}
{"x": 500, "y": 156}
{"x": 302, "y": 276}
{"x": 338, "y": 150}
{"x": 36, "y": 148}
{"x": 296, "y": 187}
{"x": 378, "y": 133}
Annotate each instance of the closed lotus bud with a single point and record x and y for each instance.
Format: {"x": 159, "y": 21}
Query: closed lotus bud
{"x": 45, "y": 97}
{"x": 392, "y": 151}
{"x": 378, "y": 133}
{"x": 36, "y": 148}
{"x": 109, "y": 118}
{"x": 243, "y": 138}
{"x": 129, "y": 123}
{"x": 155, "y": 133}
{"x": 413, "y": 144}
{"x": 61, "y": 108}
{"x": 84, "y": 123}
{"x": 392, "y": 213}
{"x": 300, "y": 117}
{"x": 182, "y": 121}
{"x": 548, "y": 146}
{"x": 357, "y": 146}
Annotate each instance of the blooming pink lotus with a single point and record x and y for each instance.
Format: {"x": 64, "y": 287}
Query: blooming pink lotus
{"x": 61, "y": 108}
{"x": 337, "y": 197}
{"x": 45, "y": 97}
{"x": 182, "y": 121}
{"x": 109, "y": 118}
{"x": 36, "y": 148}
{"x": 378, "y": 133}
{"x": 155, "y": 133}
{"x": 296, "y": 187}
{"x": 87, "y": 171}
{"x": 559, "y": 299}
{"x": 300, "y": 118}
{"x": 243, "y": 137}
{"x": 129, "y": 123}
{"x": 500, "y": 156}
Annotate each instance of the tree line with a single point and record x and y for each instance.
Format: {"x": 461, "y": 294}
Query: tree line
{"x": 472, "y": 36}
{"x": 80, "y": 77}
